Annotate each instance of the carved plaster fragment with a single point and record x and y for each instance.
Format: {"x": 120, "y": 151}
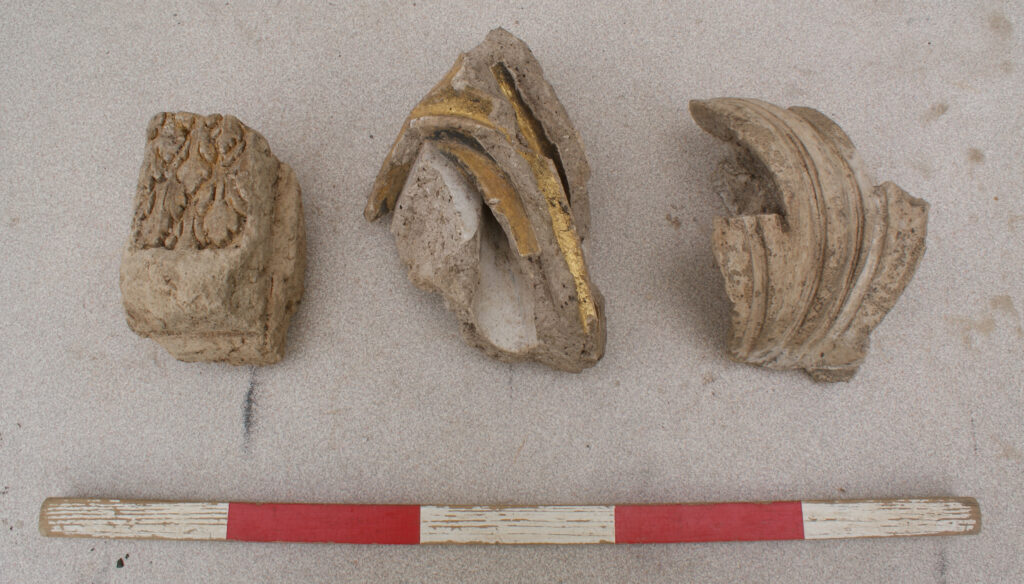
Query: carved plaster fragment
{"x": 487, "y": 181}
{"x": 815, "y": 256}
{"x": 214, "y": 265}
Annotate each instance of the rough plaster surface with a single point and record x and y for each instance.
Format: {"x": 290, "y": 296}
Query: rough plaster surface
{"x": 488, "y": 184}
{"x": 379, "y": 399}
{"x": 814, "y": 255}
{"x": 214, "y": 263}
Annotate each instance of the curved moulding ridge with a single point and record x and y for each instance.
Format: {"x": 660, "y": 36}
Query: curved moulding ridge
{"x": 487, "y": 183}
{"x": 815, "y": 256}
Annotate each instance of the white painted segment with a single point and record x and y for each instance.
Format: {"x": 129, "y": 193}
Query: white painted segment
{"x": 899, "y": 517}
{"x": 556, "y": 524}
{"x": 112, "y": 518}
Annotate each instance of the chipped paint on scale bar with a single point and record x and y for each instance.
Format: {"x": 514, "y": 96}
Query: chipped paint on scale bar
{"x": 559, "y": 524}
{"x": 551, "y": 524}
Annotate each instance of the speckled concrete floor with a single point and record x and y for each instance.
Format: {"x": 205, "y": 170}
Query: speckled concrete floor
{"x": 379, "y": 400}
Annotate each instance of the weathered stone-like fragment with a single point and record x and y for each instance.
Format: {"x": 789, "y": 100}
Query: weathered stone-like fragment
{"x": 487, "y": 181}
{"x": 815, "y": 256}
{"x": 213, "y": 269}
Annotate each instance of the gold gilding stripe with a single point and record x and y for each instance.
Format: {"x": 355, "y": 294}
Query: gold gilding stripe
{"x": 384, "y": 196}
{"x": 451, "y": 102}
{"x": 445, "y": 100}
{"x": 497, "y": 192}
{"x": 550, "y": 185}
{"x": 442, "y": 100}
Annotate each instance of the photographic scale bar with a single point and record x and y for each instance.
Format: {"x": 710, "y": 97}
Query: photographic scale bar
{"x": 547, "y": 524}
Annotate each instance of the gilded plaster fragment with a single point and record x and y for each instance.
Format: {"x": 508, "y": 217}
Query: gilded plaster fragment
{"x": 487, "y": 182}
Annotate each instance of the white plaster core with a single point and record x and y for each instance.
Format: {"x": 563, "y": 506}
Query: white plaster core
{"x": 447, "y": 234}
{"x": 503, "y": 302}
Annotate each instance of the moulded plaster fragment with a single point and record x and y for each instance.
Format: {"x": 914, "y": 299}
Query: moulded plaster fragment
{"x": 487, "y": 181}
{"x": 213, "y": 268}
{"x": 815, "y": 256}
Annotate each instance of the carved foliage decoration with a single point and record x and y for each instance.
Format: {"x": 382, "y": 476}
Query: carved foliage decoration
{"x": 192, "y": 198}
{"x": 214, "y": 265}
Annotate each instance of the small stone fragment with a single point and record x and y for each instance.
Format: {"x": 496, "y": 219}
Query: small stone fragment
{"x": 815, "y": 256}
{"x": 487, "y": 181}
{"x": 214, "y": 265}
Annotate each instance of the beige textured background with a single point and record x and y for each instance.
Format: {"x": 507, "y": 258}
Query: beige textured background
{"x": 379, "y": 400}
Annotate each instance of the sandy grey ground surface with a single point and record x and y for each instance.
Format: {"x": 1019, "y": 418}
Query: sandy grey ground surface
{"x": 379, "y": 400}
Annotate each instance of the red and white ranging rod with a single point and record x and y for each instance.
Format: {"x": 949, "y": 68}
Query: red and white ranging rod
{"x": 552, "y": 524}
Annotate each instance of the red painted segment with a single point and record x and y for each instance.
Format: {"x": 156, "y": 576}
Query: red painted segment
{"x": 394, "y": 524}
{"x": 708, "y": 522}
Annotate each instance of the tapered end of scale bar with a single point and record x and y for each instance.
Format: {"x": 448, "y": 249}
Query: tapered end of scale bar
{"x": 561, "y": 524}
{"x": 891, "y": 517}
{"x": 133, "y": 519}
